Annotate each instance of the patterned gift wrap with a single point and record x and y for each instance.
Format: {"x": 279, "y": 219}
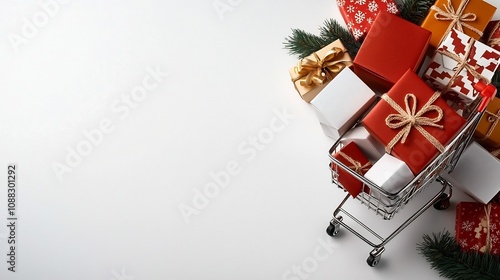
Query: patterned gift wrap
{"x": 477, "y": 227}
{"x": 458, "y": 64}
{"x": 360, "y": 14}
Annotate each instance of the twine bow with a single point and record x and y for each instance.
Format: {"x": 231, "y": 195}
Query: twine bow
{"x": 484, "y": 227}
{"x": 462, "y": 64}
{"x": 409, "y": 118}
{"x": 356, "y": 165}
{"x": 492, "y": 118}
{"x": 457, "y": 17}
{"x": 317, "y": 71}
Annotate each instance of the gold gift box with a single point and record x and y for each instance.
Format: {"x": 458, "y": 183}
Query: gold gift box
{"x": 476, "y": 13}
{"x": 315, "y": 71}
{"x": 488, "y": 130}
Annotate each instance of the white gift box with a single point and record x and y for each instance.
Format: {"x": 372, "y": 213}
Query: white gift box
{"x": 370, "y": 147}
{"x": 477, "y": 173}
{"x": 390, "y": 173}
{"x": 341, "y": 103}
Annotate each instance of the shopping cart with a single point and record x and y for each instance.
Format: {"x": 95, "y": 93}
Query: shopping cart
{"x": 387, "y": 204}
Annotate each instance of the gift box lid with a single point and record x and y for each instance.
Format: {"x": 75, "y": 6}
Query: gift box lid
{"x": 341, "y": 99}
{"x": 392, "y": 46}
{"x": 417, "y": 151}
{"x": 480, "y": 10}
{"x": 340, "y": 56}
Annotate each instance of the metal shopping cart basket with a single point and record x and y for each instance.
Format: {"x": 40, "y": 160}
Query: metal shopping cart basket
{"x": 387, "y": 204}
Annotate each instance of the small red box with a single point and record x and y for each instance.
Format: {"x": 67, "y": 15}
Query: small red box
{"x": 477, "y": 227}
{"x": 392, "y": 46}
{"x": 349, "y": 182}
{"x": 417, "y": 151}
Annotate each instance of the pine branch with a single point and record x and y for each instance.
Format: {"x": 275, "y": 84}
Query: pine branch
{"x": 303, "y": 43}
{"x": 332, "y": 31}
{"x": 444, "y": 255}
{"x": 496, "y": 82}
{"x": 415, "y": 10}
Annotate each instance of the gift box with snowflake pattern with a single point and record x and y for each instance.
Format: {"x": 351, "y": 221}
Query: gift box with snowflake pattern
{"x": 360, "y": 14}
{"x": 477, "y": 227}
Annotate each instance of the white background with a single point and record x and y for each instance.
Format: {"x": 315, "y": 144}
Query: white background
{"x": 116, "y": 215}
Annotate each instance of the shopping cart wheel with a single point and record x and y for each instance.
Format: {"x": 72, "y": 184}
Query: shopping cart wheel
{"x": 443, "y": 202}
{"x": 372, "y": 260}
{"x": 333, "y": 229}
{"x": 375, "y": 256}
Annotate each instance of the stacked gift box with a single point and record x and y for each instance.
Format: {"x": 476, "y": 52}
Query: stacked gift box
{"x": 392, "y": 123}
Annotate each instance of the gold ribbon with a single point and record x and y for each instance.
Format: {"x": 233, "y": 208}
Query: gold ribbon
{"x": 492, "y": 118}
{"x": 458, "y": 18}
{"x": 494, "y": 41}
{"x": 410, "y": 118}
{"x": 484, "y": 227}
{"x": 462, "y": 64}
{"x": 356, "y": 165}
{"x": 317, "y": 71}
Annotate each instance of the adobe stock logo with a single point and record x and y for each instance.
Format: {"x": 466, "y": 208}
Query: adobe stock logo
{"x": 310, "y": 264}
{"x": 39, "y": 19}
{"x": 248, "y": 148}
{"x": 223, "y": 6}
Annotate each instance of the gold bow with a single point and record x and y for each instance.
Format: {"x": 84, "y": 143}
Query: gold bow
{"x": 356, "y": 165}
{"x": 316, "y": 71}
{"x": 410, "y": 118}
{"x": 457, "y": 18}
{"x": 462, "y": 64}
{"x": 492, "y": 118}
{"x": 484, "y": 227}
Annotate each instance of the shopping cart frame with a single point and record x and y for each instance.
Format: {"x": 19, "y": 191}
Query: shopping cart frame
{"x": 387, "y": 204}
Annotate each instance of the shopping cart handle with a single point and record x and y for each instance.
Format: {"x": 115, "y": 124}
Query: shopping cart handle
{"x": 487, "y": 91}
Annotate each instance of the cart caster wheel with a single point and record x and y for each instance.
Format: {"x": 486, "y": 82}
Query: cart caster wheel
{"x": 333, "y": 229}
{"x": 443, "y": 202}
{"x": 372, "y": 260}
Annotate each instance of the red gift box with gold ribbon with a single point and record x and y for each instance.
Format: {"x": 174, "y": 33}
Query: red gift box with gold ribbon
{"x": 413, "y": 122}
{"x": 477, "y": 227}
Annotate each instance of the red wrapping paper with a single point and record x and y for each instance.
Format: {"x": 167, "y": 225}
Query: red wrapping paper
{"x": 477, "y": 227}
{"x": 349, "y": 182}
{"x": 417, "y": 151}
{"x": 493, "y": 38}
{"x": 392, "y": 46}
{"x": 360, "y": 14}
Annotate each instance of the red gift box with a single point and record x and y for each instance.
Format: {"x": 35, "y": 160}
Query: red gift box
{"x": 360, "y": 14}
{"x": 493, "y": 39}
{"x": 428, "y": 121}
{"x": 352, "y": 157}
{"x": 392, "y": 46}
{"x": 477, "y": 227}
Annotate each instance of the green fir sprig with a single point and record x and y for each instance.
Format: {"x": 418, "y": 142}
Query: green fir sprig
{"x": 415, "y": 10}
{"x": 444, "y": 255}
{"x": 302, "y": 43}
{"x": 332, "y": 30}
